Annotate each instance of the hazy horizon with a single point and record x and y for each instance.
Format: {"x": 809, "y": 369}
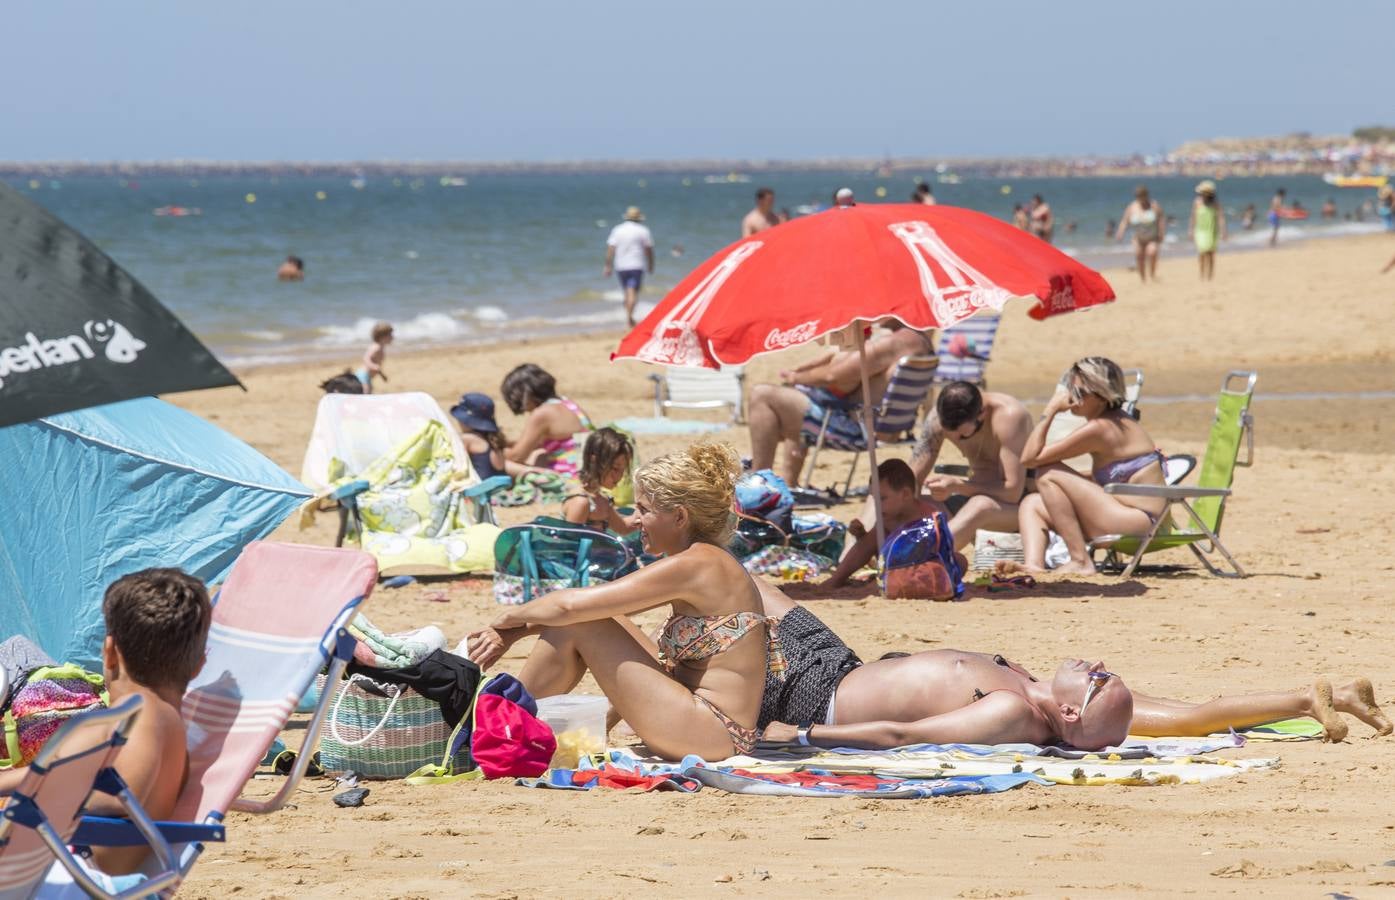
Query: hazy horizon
{"x": 555, "y": 82}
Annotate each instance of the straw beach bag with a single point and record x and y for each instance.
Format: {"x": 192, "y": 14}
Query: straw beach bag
{"x": 382, "y": 735}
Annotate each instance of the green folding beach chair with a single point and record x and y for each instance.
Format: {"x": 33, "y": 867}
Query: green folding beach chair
{"x": 1232, "y": 426}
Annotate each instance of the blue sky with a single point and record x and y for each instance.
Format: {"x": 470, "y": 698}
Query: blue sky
{"x": 617, "y": 79}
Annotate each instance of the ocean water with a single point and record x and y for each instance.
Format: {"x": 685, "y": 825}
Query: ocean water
{"x": 512, "y": 255}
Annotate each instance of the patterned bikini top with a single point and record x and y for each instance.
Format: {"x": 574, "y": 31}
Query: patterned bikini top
{"x": 700, "y": 637}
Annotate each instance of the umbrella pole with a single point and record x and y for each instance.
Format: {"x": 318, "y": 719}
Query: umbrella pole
{"x": 867, "y": 426}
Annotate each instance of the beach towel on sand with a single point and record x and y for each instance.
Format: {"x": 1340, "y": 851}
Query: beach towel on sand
{"x": 414, "y": 517}
{"x": 1126, "y": 766}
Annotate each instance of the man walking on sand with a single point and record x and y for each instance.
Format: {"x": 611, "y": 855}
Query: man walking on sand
{"x": 629, "y": 252}
{"x": 763, "y": 216}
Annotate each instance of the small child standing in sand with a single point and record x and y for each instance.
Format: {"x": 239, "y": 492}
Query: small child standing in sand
{"x": 604, "y": 461}
{"x": 1207, "y": 226}
{"x": 373, "y": 357}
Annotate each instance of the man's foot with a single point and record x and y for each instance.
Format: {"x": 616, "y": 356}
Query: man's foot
{"x": 1323, "y": 709}
{"x": 1359, "y": 699}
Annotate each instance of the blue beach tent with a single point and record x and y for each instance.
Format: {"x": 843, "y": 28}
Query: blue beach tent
{"x": 89, "y": 496}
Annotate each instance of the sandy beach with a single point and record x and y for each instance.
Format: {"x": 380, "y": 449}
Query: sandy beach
{"x": 1309, "y": 521}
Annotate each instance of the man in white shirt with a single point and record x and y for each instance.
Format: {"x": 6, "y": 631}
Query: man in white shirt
{"x": 629, "y": 251}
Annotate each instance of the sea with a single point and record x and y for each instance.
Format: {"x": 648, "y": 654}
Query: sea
{"x": 455, "y": 260}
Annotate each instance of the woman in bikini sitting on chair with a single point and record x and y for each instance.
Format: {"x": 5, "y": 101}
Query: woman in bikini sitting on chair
{"x": 697, "y": 691}
{"x": 1076, "y": 506}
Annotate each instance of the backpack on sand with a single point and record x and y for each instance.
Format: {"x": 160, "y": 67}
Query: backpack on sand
{"x": 919, "y": 562}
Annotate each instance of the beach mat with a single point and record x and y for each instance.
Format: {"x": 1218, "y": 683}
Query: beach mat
{"x": 1128, "y": 766}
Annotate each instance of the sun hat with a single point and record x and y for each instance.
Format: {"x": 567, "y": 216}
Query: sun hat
{"x": 476, "y": 412}
{"x": 1206, "y": 187}
{"x": 634, "y": 215}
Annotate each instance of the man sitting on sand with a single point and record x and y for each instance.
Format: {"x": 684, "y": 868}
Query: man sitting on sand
{"x": 990, "y": 430}
{"x": 157, "y": 628}
{"x": 902, "y": 504}
{"x": 827, "y": 697}
{"x": 833, "y": 382}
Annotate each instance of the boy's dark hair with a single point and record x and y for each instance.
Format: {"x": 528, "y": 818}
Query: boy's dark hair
{"x": 959, "y": 402}
{"x": 297, "y": 262}
{"x": 897, "y": 474}
{"x": 527, "y": 382}
{"x": 345, "y": 382}
{"x": 603, "y": 446}
{"x": 158, "y": 619}
{"x": 762, "y": 193}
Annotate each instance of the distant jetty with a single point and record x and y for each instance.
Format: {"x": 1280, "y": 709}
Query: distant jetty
{"x": 1366, "y": 151}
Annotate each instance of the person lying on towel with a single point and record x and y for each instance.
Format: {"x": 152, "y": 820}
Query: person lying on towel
{"x": 827, "y": 697}
{"x": 157, "y": 624}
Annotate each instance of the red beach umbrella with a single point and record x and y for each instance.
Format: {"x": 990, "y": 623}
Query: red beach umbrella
{"x": 929, "y": 266}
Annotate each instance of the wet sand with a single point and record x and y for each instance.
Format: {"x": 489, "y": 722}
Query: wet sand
{"x": 1309, "y": 521}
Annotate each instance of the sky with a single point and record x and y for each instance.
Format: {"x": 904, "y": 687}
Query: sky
{"x": 663, "y": 79}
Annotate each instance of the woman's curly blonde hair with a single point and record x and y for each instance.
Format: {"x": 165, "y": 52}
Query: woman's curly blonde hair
{"x": 702, "y": 480}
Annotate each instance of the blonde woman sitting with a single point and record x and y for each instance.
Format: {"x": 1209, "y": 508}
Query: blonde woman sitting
{"x": 1074, "y": 505}
{"x": 699, "y": 689}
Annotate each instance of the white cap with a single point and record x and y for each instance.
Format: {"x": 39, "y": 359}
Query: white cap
{"x": 844, "y": 193}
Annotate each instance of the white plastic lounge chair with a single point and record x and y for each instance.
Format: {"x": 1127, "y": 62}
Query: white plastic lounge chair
{"x": 893, "y": 419}
{"x": 685, "y": 387}
{"x": 280, "y": 619}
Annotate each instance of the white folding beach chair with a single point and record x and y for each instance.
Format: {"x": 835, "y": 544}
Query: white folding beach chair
{"x": 352, "y": 431}
{"x": 893, "y": 420}
{"x": 686, "y": 387}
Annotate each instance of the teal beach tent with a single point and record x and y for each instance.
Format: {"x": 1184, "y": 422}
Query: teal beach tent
{"x": 89, "y": 496}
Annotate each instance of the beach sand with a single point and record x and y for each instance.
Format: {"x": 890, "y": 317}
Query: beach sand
{"x": 1309, "y": 521}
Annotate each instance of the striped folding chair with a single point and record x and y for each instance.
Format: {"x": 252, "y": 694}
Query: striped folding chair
{"x": 280, "y": 619}
{"x": 965, "y": 349}
{"x": 39, "y": 820}
{"x": 894, "y": 419}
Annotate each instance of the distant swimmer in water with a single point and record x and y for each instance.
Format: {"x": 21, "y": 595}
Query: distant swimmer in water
{"x": 763, "y": 216}
{"x": 293, "y": 269}
{"x": 844, "y": 197}
{"x": 1276, "y": 204}
{"x": 1019, "y": 217}
{"x": 1247, "y": 218}
{"x": 1042, "y": 218}
{"x": 1145, "y": 216}
{"x": 677, "y": 251}
{"x": 1329, "y": 208}
{"x": 924, "y": 195}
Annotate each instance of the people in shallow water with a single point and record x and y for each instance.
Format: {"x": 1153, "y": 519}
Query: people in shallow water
{"x": 827, "y": 697}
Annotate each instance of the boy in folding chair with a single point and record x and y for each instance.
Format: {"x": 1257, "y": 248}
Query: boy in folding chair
{"x": 157, "y": 625}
